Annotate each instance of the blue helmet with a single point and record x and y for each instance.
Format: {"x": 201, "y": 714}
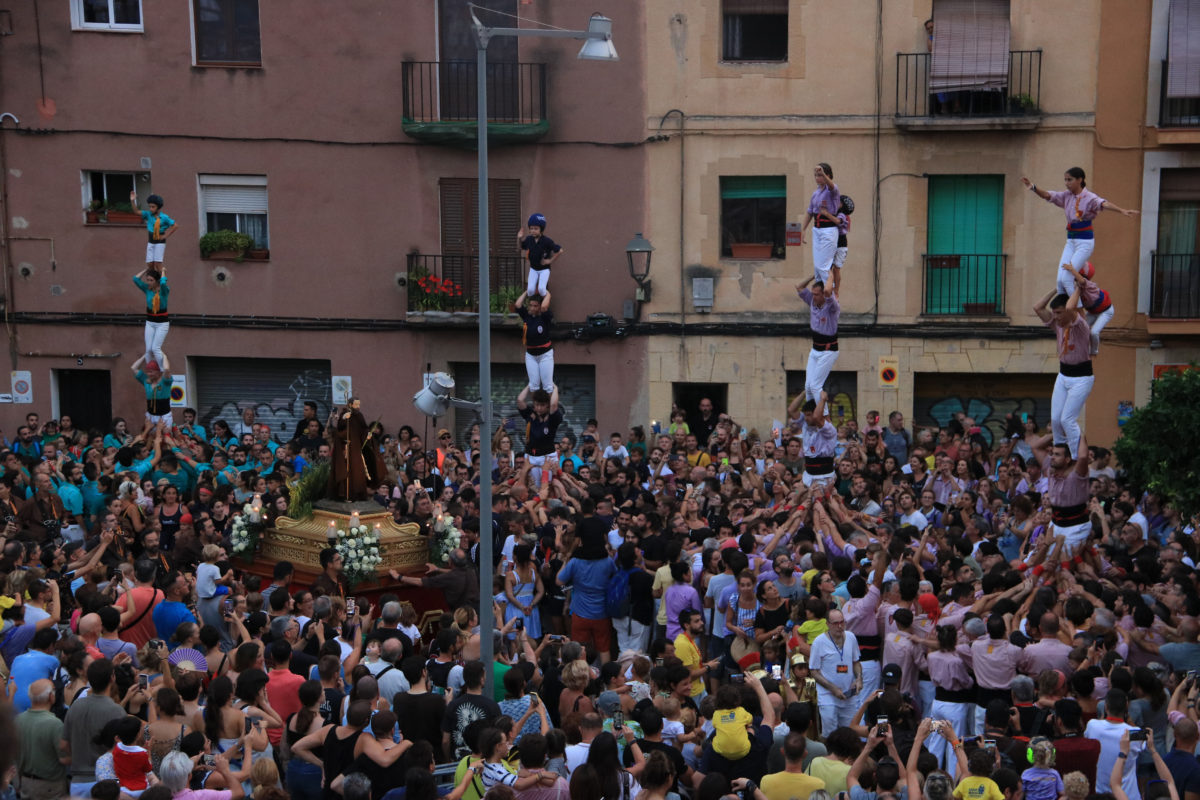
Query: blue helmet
{"x": 536, "y": 219}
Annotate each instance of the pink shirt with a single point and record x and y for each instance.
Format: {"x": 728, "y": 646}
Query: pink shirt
{"x": 1065, "y": 491}
{"x": 899, "y": 649}
{"x": 860, "y": 613}
{"x": 1085, "y": 205}
{"x": 1046, "y": 654}
{"x": 947, "y": 670}
{"x": 995, "y": 661}
{"x": 1074, "y": 340}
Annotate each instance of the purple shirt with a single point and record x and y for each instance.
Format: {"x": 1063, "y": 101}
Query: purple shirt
{"x": 860, "y": 613}
{"x": 1085, "y": 205}
{"x": 995, "y": 661}
{"x": 677, "y": 598}
{"x": 948, "y": 671}
{"x": 822, "y": 320}
{"x": 1066, "y": 490}
{"x": 827, "y": 197}
{"x": 1074, "y": 340}
{"x": 1047, "y": 654}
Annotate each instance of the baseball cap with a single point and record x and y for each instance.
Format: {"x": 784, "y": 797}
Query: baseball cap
{"x": 609, "y": 702}
{"x": 891, "y": 675}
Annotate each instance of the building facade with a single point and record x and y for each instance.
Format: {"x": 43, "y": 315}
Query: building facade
{"x": 341, "y": 142}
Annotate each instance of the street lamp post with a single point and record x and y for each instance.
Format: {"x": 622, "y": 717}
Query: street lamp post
{"x": 597, "y": 46}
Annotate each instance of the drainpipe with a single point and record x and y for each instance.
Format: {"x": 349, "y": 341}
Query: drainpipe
{"x": 5, "y": 241}
{"x": 682, "y": 260}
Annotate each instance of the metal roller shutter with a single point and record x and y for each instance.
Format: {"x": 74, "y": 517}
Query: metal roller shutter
{"x": 275, "y": 388}
{"x": 576, "y": 390}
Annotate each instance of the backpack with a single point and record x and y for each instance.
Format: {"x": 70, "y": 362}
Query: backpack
{"x": 616, "y": 599}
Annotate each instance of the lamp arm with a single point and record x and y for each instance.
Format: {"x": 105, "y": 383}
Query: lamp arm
{"x": 467, "y": 405}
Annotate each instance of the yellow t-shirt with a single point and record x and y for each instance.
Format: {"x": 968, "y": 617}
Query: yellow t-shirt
{"x": 686, "y": 651}
{"x": 832, "y": 771}
{"x": 812, "y": 628}
{"x": 663, "y": 581}
{"x": 786, "y": 785}
{"x": 974, "y": 787}
{"x": 731, "y": 741}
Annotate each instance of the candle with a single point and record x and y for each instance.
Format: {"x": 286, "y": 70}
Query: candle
{"x": 354, "y": 520}
{"x": 332, "y": 531}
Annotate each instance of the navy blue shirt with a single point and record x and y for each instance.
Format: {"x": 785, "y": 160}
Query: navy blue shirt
{"x": 1185, "y": 769}
{"x": 539, "y": 248}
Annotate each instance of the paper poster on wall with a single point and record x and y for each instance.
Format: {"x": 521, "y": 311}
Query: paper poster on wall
{"x": 889, "y": 372}
{"x": 179, "y": 391}
{"x": 22, "y": 386}
{"x": 343, "y": 389}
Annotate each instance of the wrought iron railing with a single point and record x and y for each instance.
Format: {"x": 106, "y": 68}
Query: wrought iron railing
{"x": 964, "y": 284}
{"x": 1175, "y": 285}
{"x": 447, "y": 282}
{"x": 444, "y": 91}
{"x": 1020, "y": 97}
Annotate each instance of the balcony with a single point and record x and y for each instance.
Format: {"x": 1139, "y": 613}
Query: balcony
{"x": 962, "y": 285}
{"x": 1178, "y": 117}
{"x": 1016, "y": 106}
{"x": 440, "y": 102}
{"x": 449, "y": 283}
{"x": 1175, "y": 286}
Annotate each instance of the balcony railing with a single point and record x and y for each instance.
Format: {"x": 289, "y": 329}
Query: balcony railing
{"x": 450, "y": 282}
{"x": 1021, "y": 97}
{"x": 1175, "y": 285}
{"x": 444, "y": 91}
{"x": 1177, "y": 112}
{"x": 969, "y": 285}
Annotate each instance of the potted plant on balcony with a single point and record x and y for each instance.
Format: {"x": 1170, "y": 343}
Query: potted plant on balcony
{"x": 755, "y": 250}
{"x": 1022, "y": 104}
{"x": 122, "y": 214}
{"x": 224, "y": 244}
{"x": 94, "y": 212}
{"x": 258, "y": 254}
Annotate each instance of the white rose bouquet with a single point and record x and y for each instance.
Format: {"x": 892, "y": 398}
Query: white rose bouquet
{"x": 359, "y": 549}
{"x": 445, "y": 539}
{"x": 244, "y": 535}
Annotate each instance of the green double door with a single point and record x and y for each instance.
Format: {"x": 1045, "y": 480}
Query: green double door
{"x": 964, "y": 269}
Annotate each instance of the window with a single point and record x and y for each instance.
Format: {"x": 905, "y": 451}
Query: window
{"x": 106, "y": 15}
{"x": 106, "y": 195}
{"x": 753, "y": 211}
{"x": 1175, "y": 282}
{"x": 970, "y": 45}
{"x": 236, "y": 203}
{"x": 1181, "y": 78}
{"x": 227, "y": 32}
{"x": 964, "y": 264}
{"x": 755, "y": 30}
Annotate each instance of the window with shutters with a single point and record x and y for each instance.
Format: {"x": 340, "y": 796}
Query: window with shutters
{"x": 459, "y": 260}
{"x": 106, "y": 15}
{"x": 235, "y": 203}
{"x": 106, "y": 196}
{"x": 753, "y": 213}
{"x": 754, "y": 30}
{"x": 964, "y": 261}
{"x": 227, "y": 33}
{"x": 1180, "y": 105}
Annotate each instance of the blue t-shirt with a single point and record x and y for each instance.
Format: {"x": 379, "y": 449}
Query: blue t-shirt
{"x": 169, "y": 615}
{"x": 72, "y": 498}
{"x": 589, "y": 580}
{"x": 27, "y": 668}
{"x": 539, "y": 248}
{"x": 15, "y": 641}
{"x": 161, "y": 391}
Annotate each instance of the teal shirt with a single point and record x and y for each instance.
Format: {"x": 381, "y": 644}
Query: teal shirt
{"x": 194, "y": 430}
{"x": 181, "y": 480}
{"x": 164, "y": 222}
{"x": 163, "y": 291}
{"x": 72, "y": 498}
{"x": 160, "y": 392}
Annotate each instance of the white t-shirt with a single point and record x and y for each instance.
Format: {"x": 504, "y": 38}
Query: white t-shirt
{"x": 1109, "y": 735}
{"x": 670, "y": 730}
{"x": 916, "y": 519}
{"x": 576, "y": 755}
{"x": 619, "y": 453}
{"x": 836, "y": 663}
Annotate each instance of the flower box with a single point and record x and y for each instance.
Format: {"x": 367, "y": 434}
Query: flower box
{"x": 759, "y": 250}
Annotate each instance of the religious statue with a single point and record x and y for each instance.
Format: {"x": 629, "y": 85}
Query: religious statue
{"x": 357, "y": 464}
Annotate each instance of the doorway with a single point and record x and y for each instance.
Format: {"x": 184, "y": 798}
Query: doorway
{"x": 85, "y": 395}
{"x": 687, "y": 396}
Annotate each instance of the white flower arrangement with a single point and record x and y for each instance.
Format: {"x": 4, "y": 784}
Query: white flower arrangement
{"x": 445, "y": 539}
{"x": 244, "y": 536}
{"x": 359, "y": 549}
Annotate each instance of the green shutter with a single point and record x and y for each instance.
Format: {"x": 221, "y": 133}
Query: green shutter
{"x": 966, "y": 223}
{"x": 746, "y": 187}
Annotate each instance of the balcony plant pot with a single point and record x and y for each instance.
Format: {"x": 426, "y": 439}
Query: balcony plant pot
{"x": 224, "y": 245}
{"x": 757, "y": 250}
{"x": 258, "y": 254}
{"x": 93, "y": 217}
{"x": 116, "y": 217}
{"x": 979, "y": 309}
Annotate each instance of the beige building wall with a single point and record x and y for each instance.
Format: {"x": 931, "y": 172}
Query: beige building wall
{"x": 783, "y": 118}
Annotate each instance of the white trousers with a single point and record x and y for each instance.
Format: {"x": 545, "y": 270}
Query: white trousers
{"x": 872, "y": 672}
{"x": 155, "y": 252}
{"x": 156, "y": 334}
{"x": 536, "y": 463}
{"x": 1066, "y": 404}
{"x": 836, "y": 713}
{"x": 827, "y": 480}
{"x": 1076, "y": 253}
{"x": 631, "y": 635}
{"x": 839, "y": 257}
{"x": 824, "y": 247}
{"x": 1073, "y": 537}
{"x": 538, "y": 278}
{"x": 959, "y": 718}
{"x": 540, "y": 369}
{"x": 816, "y": 371}
{"x": 1097, "y": 323}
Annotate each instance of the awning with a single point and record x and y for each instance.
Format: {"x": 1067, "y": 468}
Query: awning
{"x": 970, "y": 45}
{"x": 1183, "y": 49}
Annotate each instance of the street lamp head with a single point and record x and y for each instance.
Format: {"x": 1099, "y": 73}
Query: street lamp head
{"x": 598, "y": 46}
{"x": 638, "y": 253}
{"x": 434, "y": 399}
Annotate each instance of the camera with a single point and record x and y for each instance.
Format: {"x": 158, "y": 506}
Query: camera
{"x": 209, "y": 760}
{"x": 154, "y": 644}
{"x": 881, "y": 724}
{"x": 350, "y": 607}
{"x": 737, "y": 678}
{"x": 776, "y": 671}
{"x": 519, "y": 624}
{"x": 143, "y": 682}
{"x": 1138, "y": 735}
{"x": 990, "y": 746}
{"x": 618, "y": 719}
